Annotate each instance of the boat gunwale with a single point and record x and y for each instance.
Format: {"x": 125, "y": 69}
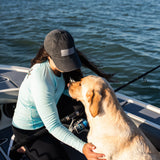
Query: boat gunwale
{"x": 138, "y": 102}
{"x": 14, "y": 68}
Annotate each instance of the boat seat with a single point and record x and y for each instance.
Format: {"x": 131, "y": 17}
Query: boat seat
{"x": 11, "y": 79}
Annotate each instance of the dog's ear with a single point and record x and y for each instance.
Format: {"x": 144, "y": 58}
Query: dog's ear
{"x": 94, "y": 99}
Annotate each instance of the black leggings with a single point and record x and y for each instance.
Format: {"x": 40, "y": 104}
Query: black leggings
{"x": 46, "y": 147}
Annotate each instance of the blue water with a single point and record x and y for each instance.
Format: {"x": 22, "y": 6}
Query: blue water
{"x": 119, "y": 36}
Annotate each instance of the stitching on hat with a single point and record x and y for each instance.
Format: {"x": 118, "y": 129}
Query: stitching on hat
{"x": 67, "y": 52}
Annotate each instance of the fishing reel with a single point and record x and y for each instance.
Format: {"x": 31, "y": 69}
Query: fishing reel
{"x": 77, "y": 122}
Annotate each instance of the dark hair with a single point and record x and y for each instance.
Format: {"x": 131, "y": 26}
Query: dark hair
{"x": 75, "y": 75}
{"x": 41, "y": 56}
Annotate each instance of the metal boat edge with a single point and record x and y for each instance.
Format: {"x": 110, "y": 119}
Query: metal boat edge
{"x": 142, "y": 116}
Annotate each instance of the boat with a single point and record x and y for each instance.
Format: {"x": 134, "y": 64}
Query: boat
{"x": 145, "y": 116}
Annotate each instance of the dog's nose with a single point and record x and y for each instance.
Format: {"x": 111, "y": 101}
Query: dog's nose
{"x": 70, "y": 82}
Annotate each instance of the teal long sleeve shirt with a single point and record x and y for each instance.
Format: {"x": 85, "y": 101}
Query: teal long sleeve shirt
{"x": 37, "y": 104}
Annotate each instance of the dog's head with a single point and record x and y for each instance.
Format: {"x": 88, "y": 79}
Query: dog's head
{"x": 91, "y": 90}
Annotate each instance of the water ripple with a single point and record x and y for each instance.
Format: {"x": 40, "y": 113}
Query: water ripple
{"x": 120, "y": 36}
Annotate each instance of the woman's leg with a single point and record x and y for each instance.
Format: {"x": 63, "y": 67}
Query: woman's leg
{"x": 43, "y": 147}
{"x": 46, "y": 148}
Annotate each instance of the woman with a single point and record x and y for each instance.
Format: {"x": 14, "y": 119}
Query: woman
{"x": 38, "y": 98}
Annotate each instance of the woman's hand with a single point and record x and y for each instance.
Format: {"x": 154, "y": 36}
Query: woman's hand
{"x": 90, "y": 154}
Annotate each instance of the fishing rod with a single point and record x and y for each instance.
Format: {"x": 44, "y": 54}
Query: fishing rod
{"x": 92, "y": 67}
{"x": 137, "y": 78}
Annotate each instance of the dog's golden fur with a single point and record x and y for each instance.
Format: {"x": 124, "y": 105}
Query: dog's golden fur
{"x": 111, "y": 130}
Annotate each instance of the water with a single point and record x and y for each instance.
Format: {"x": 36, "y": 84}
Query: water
{"x": 119, "y": 36}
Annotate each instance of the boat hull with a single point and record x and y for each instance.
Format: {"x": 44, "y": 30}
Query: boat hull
{"x": 145, "y": 116}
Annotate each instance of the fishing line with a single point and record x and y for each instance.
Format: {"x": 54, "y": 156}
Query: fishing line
{"x": 137, "y": 78}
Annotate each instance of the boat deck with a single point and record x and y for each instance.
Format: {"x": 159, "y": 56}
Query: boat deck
{"x": 11, "y": 78}
{"x": 145, "y": 116}
{"x": 4, "y": 142}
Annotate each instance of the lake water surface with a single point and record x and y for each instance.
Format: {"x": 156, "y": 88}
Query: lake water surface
{"x": 119, "y": 36}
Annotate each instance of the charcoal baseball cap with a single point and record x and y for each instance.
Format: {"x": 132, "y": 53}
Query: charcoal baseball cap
{"x": 59, "y": 44}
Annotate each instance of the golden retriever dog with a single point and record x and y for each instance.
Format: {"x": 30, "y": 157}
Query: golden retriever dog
{"x": 111, "y": 130}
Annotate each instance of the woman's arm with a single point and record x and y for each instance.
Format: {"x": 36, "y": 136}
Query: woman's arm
{"x": 92, "y": 67}
{"x": 44, "y": 95}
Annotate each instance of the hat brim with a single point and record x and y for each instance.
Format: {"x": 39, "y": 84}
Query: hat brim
{"x": 67, "y": 63}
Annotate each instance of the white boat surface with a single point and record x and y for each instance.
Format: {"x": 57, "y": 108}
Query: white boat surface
{"x": 145, "y": 116}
